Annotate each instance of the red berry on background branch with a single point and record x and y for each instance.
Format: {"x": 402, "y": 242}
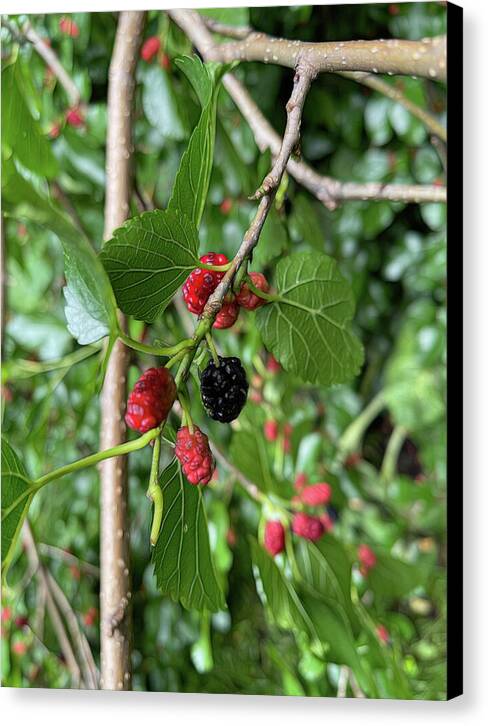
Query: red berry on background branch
{"x": 21, "y": 621}
{"x": 74, "y": 117}
{"x": 200, "y": 284}
{"x": 303, "y": 525}
{"x": 227, "y": 315}
{"x": 90, "y": 617}
{"x": 316, "y": 494}
{"x": 271, "y": 430}
{"x": 272, "y": 365}
{"x": 367, "y": 558}
{"x": 54, "y": 131}
{"x": 150, "y": 48}
{"x": 327, "y": 522}
{"x": 69, "y": 27}
{"x": 383, "y": 634}
{"x": 226, "y": 206}
{"x": 193, "y": 452}
{"x": 301, "y": 480}
{"x": 151, "y": 400}
{"x": 6, "y": 614}
{"x": 19, "y": 647}
{"x": 274, "y": 538}
{"x": 165, "y": 62}
{"x": 246, "y": 298}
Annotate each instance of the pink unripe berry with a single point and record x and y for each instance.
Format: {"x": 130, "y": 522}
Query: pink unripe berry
{"x": 271, "y": 430}
{"x": 150, "y": 48}
{"x": 301, "y": 480}
{"x": 303, "y": 525}
{"x": 274, "y": 537}
{"x": 383, "y": 634}
{"x": 367, "y": 558}
{"x": 316, "y": 494}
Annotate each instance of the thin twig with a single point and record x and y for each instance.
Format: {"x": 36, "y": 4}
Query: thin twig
{"x": 69, "y": 558}
{"x": 391, "y": 91}
{"x": 249, "y": 486}
{"x": 343, "y": 680}
{"x": 53, "y": 62}
{"x": 55, "y": 617}
{"x": 85, "y": 657}
{"x": 302, "y": 81}
{"x": 239, "y": 32}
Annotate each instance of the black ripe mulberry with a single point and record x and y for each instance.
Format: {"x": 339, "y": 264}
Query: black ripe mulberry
{"x": 224, "y": 389}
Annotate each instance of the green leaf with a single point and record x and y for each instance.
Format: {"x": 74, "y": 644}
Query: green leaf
{"x": 193, "y": 177}
{"x": 15, "y": 481}
{"x": 393, "y": 578}
{"x": 21, "y": 133}
{"x": 322, "y": 620}
{"x": 305, "y": 223}
{"x": 160, "y": 105}
{"x": 90, "y": 304}
{"x": 248, "y": 453}
{"x": 229, "y": 16}
{"x": 308, "y": 328}
{"x": 148, "y": 259}
{"x": 284, "y": 605}
{"x": 182, "y": 559}
{"x": 326, "y": 570}
{"x": 272, "y": 241}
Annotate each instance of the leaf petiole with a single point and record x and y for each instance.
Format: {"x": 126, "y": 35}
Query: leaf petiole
{"x": 153, "y": 350}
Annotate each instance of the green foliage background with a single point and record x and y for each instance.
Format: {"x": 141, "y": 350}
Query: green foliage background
{"x": 394, "y": 257}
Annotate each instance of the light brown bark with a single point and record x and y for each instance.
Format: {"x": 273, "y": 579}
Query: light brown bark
{"x": 115, "y": 587}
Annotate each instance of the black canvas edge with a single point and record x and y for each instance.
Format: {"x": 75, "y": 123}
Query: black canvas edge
{"x": 454, "y": 353}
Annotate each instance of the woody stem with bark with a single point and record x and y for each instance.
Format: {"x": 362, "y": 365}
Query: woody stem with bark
{"x": 327, "y": 190}
{"x": 115, "y": 588}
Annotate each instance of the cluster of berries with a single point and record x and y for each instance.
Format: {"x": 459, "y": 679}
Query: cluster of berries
{"x": 308, "y": 526}
{"x": 149, "y": 404}
{"x": 151, "y": 48}
{"x": 201, "y": 283}
{"x": 224, "y": 392}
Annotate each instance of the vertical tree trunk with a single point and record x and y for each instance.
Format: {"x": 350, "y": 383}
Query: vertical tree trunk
{"x": 115, "y": 594}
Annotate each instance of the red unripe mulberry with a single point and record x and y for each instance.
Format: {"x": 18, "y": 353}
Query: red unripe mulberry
{"x": 301, "y": 480}
{"x": 271, "y": 430}
{"x": 226, "y": 206}
{"x": 246, "y": 298}
{"x": 227, "y": 315}
{"x": 327, "y": 522}
{"x": 193, "y": 453}
{"x": 367, "y": 558}
{"x": 303, "y": 525}
{"x": 316, "y": 494}
{"x": 74, "y": 117}
{"x": 151, "y": 400}
{"x": 69, "y": 27}
{"x": 274, "y": 538}
{"x": 19, "y": 647}
{"x": 200, "y": 284}
{"x": 383, "y": 634}
{"x": 150, "y": 48}
{"x": 165, "y": 62}
{"x": 272, "y": 365}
